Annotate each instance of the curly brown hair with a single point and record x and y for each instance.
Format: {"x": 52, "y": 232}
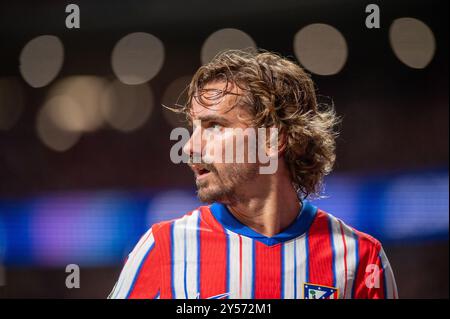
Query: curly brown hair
{"x": 279, "y": 93}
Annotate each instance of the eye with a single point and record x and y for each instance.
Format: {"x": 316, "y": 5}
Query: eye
{"x": 216, "y": 126}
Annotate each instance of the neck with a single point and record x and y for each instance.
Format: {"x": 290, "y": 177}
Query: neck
{"x": 271, "y": 211}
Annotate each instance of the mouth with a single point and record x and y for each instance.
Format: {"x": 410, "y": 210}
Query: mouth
{"x": 200, "y": 171}
{"x": 202, "y": 174}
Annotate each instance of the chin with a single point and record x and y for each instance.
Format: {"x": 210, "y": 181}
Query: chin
{"x": 208, "y": 195}
{"x": 205, "y": 199}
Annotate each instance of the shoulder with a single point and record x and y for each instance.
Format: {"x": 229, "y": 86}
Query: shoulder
{"x": 163, "y": 230}
{"x": 339, "y": 228}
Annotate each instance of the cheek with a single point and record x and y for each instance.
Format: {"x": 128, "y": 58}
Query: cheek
{"x": 214, "y": 147}
{"x": 224, "y": 172}
{"x": 220, "y": 168}
{"x": 231, "y": 171}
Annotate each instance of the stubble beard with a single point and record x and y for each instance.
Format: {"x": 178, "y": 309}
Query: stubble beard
{"x": 225, "y": 186}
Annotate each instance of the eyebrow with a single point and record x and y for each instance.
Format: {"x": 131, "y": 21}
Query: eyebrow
{"x": 213, "y": 118}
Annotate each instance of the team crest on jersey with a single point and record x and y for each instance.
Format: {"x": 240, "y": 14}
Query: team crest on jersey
{"x": 312, "y": 291}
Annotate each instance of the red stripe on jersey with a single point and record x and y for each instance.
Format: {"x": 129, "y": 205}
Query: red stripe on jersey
{"x": 163, "y": 238}
{"x": 368, "y": 260}
{"x": 378, "y": 293}
{"x": 209, "y": 219}
{"x": 320, "y": 251}
{"x": 268, "y": 271}
{"x": 213, "y": 257}
{"x": 146, "y": 284}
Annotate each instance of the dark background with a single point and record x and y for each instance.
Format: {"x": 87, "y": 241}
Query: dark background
{"x": 395, "y": 118}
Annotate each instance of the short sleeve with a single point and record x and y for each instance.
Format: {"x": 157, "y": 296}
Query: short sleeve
{"x": 140, "y": 277}
{"x": 375, "y": 278}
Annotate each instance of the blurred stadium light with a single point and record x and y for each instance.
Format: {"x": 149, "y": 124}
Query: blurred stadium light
{"x": 100, "y": 228}
{"x": 223, "y": 39}
{"x": 321, "y": 48}
{"x": 137, "y": 58}
{"x": 41, "y": 60}
{"x": 412, "y": 41}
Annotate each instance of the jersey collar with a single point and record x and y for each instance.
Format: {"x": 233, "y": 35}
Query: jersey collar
{"x": 301, "y": 224}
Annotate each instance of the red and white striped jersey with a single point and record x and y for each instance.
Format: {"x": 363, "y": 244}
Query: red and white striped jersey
{"x": 208, "y": 253}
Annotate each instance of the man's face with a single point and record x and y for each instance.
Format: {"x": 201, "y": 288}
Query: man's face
{"x": 218, "y": 180}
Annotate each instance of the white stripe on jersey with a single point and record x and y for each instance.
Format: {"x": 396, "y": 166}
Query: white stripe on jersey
{"x": 247, "y": 267}
{"x": 389, "y": 279}
{"x": 352, "y": 258}
{"x": 302, "y": 260}
{"x": 233, "y": 264}
{"x": 289, "y": 269}
{"x": 192, "y": 259}
{"x": 178, "y": 257}
{"x": 294, "y": 267}
{"x": 185, "y": 262}
{"x": 134, "y": 261}
{"x": 339, "y": 251}
{"x": 237, "y": 289}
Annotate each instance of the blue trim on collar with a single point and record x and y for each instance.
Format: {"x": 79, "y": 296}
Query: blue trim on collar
{"x": 296, "y": 229}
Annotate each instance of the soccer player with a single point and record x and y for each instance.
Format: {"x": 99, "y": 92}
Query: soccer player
{"x": 259, "y": 236}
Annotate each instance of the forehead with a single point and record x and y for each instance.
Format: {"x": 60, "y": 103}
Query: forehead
{"x": 212, "y": 101}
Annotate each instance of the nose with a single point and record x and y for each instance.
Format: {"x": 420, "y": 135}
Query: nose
{"x": 193, "y": 147}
